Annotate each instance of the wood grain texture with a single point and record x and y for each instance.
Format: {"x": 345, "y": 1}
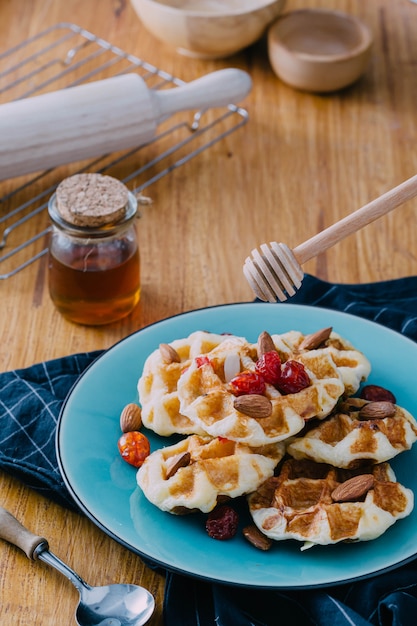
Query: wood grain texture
{"x": 302, "y": 162}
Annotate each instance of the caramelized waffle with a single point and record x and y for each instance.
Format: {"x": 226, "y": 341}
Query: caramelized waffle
{"x": 302, "y": 503}
{"x": 358, "y": 432}
{"x": 208, "y": 401}
{"x": 199, "y": 471}
{"x": 352, "y": 365}
{"x": 157, "y": 385}
{"x": 184, "y": 396}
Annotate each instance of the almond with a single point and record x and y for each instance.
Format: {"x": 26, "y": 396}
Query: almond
{"x": 169, "y": 354}
{"x": 377, "y": 410}
{"x": 174, "y": 463}
{"x": 353, "y": 489}
{"x": 256, "y": 537}
{"x": 265, "y": 344}
{"x": 253, "y": 405}
{"x": 315, "y": 340}
{"x": 131, "y": 418}
{"x": 231, "y": 366}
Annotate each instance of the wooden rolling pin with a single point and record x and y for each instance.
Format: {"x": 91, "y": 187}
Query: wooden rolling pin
{"x": 105, "y": 116}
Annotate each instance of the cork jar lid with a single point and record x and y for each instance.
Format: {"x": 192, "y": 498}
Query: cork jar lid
{"x": 91, "y": 200}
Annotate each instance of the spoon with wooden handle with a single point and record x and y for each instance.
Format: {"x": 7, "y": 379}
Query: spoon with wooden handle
{"x": 117, "y": 604}
{"x": 275, "y": 272}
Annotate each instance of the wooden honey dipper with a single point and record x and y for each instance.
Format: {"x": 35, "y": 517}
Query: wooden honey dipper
{"x": 275, "y": 272}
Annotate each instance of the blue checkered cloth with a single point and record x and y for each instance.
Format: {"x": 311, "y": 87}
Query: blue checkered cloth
{"x": 30, "y": 402}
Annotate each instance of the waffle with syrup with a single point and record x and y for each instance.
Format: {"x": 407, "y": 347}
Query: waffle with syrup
{"x": 208, "y": 401}
{"x": 198, "y": 472}
{"x": 157, "y": 386}
{"x": 352, "y": 365}
{"x": 356, "y": 433}
{"x": 302, "y": 503}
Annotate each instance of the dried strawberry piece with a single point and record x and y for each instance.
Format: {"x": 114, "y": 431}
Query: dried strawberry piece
{"x": 269, "y": 367}
{"x": 294, "y": 378}
{"x": 222, "y": 523}
{"x": 248, "y": 383}
{"x": 202, "y": 360}
{"x": 375, "y": 393}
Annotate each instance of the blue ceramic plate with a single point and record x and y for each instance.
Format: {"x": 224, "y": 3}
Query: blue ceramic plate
{"x": 105, "y": 487}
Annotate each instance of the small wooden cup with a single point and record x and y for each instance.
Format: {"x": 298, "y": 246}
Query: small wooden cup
{"x": 318, "y": 50}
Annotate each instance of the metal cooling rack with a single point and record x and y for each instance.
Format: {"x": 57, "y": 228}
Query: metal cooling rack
{"x": 66, "y": 55}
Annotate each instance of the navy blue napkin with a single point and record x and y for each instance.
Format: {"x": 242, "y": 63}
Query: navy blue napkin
{"x": 30, "y": 401}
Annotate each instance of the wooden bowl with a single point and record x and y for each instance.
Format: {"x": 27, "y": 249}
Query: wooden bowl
{"x": 207, "y": 29}
{"x": 318, "y": 50}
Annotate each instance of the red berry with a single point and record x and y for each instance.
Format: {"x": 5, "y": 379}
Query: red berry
{"x": 202, "y": 360}
{"x": 222, "y": 523}
{"x": 247, "y": 383}
{"x": 269, "y": 366}
{"x": 374, "y": 393}
{"x": 134, "y": 447}
{"x": 294, "y": 378}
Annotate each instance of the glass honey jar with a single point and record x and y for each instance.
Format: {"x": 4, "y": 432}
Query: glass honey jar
{"x": 94, "y": 262}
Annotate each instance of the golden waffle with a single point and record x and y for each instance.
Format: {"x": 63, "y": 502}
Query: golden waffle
{"x": 298, "y": 504}
{"x": 157, "y": 385}
{"x": 345, "y": 440}
{"x": 352, "y": 365}
{"x": 199, "y": 471}
{"x": 206, "y": 398}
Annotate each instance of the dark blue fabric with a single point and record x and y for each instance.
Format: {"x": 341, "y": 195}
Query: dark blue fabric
{"x": 30, "y": 401}
{"x": 392, "y": 303}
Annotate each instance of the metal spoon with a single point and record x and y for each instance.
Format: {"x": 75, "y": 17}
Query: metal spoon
{"x": 110, "y": 605}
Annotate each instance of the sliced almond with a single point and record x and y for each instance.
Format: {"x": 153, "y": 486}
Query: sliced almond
{"x": 169, "y": 354}
{"x": 174, "y": 463}
{"x": 231, "y": 366}
{"x": 353, "y": 489}
{"x": 315, "y": 340}
{"x": 265, "y": 343}
{"x": 257, "y": 538}
{"x": 131, "y": 418}
{"x": 377, "y": 410}
{"x": 253, "y": 405}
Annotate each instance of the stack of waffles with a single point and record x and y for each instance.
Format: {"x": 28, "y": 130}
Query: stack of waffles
{"x": 311, "y": 461}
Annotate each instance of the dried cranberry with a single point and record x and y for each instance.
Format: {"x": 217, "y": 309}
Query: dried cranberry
{"x": 222, "y": 523}
{"x": 202, "y": 360}
{"x": 269, "y": 367}
{"x": 374, "y": 393}
{"x": 247, "y": 383}
{"x": 294, "y": 378}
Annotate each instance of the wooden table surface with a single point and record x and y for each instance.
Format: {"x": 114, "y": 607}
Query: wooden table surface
{"x": 302, "y": 162}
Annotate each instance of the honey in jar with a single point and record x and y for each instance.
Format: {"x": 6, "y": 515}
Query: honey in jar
{"x": 94, "y": 265}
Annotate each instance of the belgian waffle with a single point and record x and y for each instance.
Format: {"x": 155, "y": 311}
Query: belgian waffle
{"x": 157, "y": 385}
{"x": 200, "y": 471}
{"x": 184, "y": 397}
{"x": 207, "y": 400}
{"x": 345, "y": 440}
{"x": 298, "y": 504}
{"x": 352, "y": 365}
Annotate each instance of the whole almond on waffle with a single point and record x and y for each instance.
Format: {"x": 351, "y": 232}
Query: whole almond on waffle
{"x": 357, "y": 432}
{"x": 318, "y": 504}
{"x": 207, "y": 399}
{"x": 199, "y": 471}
